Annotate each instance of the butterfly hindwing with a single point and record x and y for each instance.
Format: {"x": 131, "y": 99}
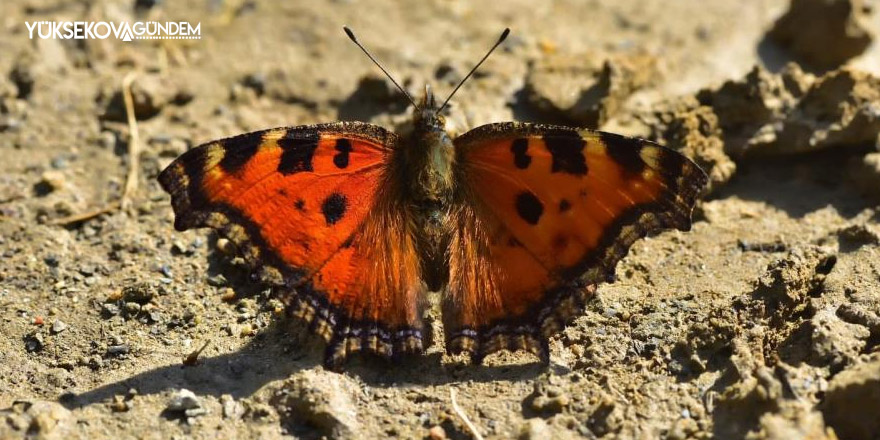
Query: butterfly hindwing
{"x": 543, "y": 214}
{"x": 310, "y": 208}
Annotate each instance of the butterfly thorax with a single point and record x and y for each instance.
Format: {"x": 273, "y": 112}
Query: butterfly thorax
{"x": 429, "y": 156}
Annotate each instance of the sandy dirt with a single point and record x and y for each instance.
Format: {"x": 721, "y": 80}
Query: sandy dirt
{"x": 762, "y": 322}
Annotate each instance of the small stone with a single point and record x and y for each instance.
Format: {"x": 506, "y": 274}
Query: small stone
{"x": 322, "y": 399}
{"x": 132, "y": 308}
{"x": 185, "y": 402}
{"x": 50, "y": 181}
{"x": 228, "y": 295}
{"x": 246, "y": 330}
{"x": 33, "y": 343}
{"x": 225, "y": 246}
{"x": 110, "y": 309}
{"x": 218, "y": 280}
{"x": 549, "y": 399}
{"x": 119, "y": 404}
{"x": 232, "y": 409}
{"x": 586, "y": 89}
{"x": 140, "y": 293}
{"x": 107, "y": 140}
{"x": 166, "y": 270}
{"x": 58, "y": 326}
{"x": 118, "y": 350}
{"x": 96, "y": 363}
{"x": 51, "y": 260}
{"x": 852, "y": 399}
{"x": 683, "y": 429}
{"x": 150, "y": 94}
{"x": 48, "y": 420}
{"x": 839, "y": 30}
{"x": 535, "y": 429}
{"x": 437, "y": 433}
{"x": 179, "y": 248}
{"x": 59, "y": 162}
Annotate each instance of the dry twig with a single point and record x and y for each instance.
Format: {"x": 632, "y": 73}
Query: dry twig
{"x": 131, "y": 178}
{"x": 134, "y": 150}
{"x": 463, "y": 416}
{"x": 193, "y": 358}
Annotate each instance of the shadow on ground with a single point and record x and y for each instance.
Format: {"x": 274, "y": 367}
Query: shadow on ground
{"x": 286, "y": 348}
{"x": 798, "y": 186}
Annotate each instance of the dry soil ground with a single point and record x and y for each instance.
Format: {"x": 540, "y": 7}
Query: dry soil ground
{"x": 762, "y": 322}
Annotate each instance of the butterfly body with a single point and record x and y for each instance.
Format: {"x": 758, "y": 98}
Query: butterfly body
{"x": 514, "y": 223}
{"x": 425, "y": 162}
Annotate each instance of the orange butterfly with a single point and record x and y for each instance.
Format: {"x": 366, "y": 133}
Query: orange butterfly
{"x": 515, "y": 223}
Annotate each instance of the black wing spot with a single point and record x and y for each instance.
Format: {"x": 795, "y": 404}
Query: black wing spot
{"x": 343, "y": 146}
{"x": 567, "y": 149}
{"x": 626, "y": 151}
{"x": 564, "y": 205}
{"x": 334, "y": 207}
{"x": 529, "y": 207}
{"x": 238, "y": 150}
{"x": 520, "y": 149}
{"x": 300, "y": 204}
{"x": 299, "y": 150}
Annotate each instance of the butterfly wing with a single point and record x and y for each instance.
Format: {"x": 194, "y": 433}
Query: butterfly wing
{"x": 311, "y": 209}
{"x": 542, "y": 215}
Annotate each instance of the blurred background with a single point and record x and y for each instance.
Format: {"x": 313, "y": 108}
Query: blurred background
{"x": 762, "y": 322}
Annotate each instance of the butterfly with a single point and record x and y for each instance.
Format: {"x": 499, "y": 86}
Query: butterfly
{"x": 515, "y": 223}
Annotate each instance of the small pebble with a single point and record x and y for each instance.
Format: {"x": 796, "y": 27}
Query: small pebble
{"x": 51, "y": 260}
{"x": 50, "y": 181}
{"x": 119, "y": 404}
{"x": 107, "y": 140}
{"x": 217, "y": 280}
{"x": 117, "y": 350}
{"x": 186, "y": 402}
{"x": 58, "y": 326}
{"x": 228, "y": 295}
{"x": 34, "y": 343}
{"x": 225, "y": 246}
{"x": 110, "y": 309}
{"x": 232, "y": 409}
{"x": 132, "y": 308}
{"x": 437, "y": 433}
{"x": 179, "y": 248}
{"x": 166, "y": 270}
{"x": 140, "y": 293}
{"x": 59, "y": 162}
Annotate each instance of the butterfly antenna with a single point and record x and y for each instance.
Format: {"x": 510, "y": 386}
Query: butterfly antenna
{"x": 354, "y": 39}
{"x": 500, "y": 40}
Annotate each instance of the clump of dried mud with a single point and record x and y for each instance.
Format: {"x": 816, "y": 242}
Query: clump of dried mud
{"x": 762, "y": 322}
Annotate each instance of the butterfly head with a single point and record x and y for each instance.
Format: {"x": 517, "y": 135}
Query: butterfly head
{"x": 426, "y": 113}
